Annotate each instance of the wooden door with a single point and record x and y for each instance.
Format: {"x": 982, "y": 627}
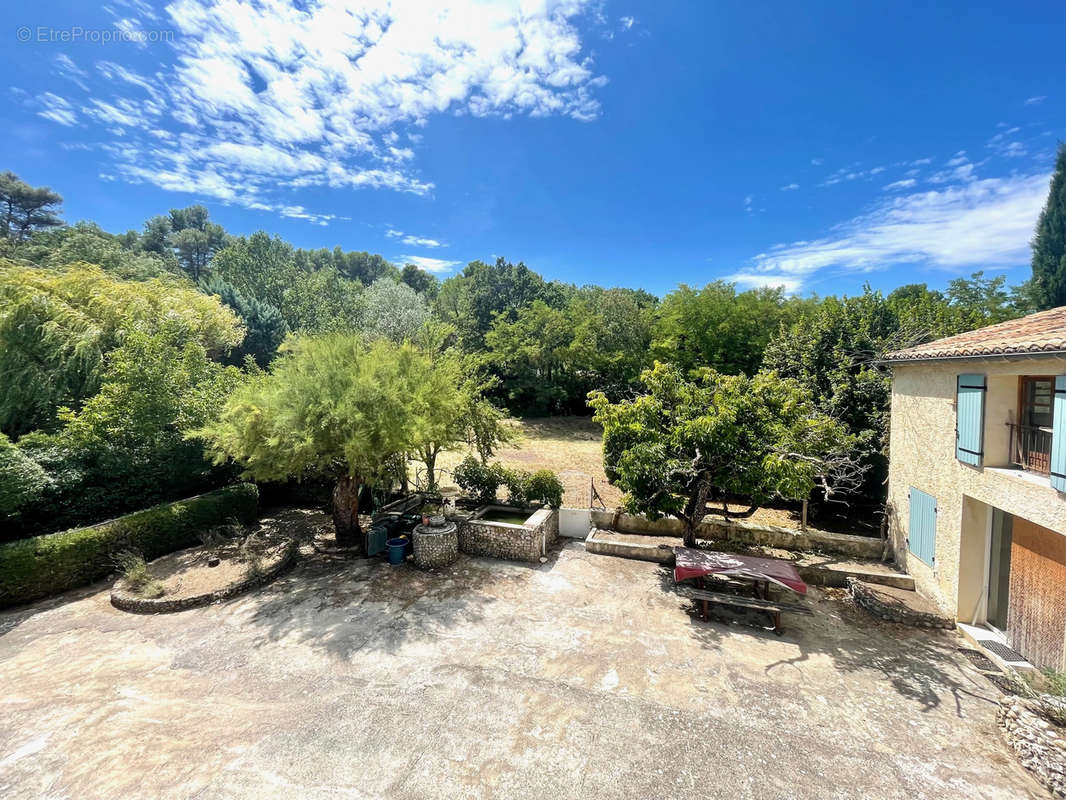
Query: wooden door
{"x": 1036, "y": 616}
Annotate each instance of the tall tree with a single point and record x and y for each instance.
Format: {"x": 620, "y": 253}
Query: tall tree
{"x": 1048, "y": 285}
{"x": 338, "y": 408}
{"x": 265, "y": 327}
{"x": 719, "y": 327}
{"x": 421, "y": 281}
{"x": 195, "y": 239}
{"x": 471, "y": 301}
{"x": 25, "y": 209}
{"x": 686, "y": 442}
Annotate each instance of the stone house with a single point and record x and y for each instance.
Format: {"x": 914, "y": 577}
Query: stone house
{"x": 977, "y": 481}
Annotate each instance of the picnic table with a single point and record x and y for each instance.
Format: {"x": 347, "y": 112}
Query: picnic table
{"x": 695, "y": 565}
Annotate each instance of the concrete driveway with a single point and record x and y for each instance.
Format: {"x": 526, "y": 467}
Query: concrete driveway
{"x": 580, "y": 678}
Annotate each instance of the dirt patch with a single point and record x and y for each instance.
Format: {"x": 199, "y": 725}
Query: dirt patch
{"x": 240, "y": 554}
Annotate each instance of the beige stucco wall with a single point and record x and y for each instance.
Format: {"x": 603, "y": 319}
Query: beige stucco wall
{"x": 922, "y": 455}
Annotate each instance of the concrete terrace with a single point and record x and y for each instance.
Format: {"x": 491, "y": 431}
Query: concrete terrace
{"x": 580, "y": 678}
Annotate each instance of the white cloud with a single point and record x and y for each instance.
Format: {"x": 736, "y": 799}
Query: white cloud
{"x": 817, "y": 161}
{"x": 754, "y": 280}
{"x": 791, "y": 187}
{"x": 851, "y": 174}
{"x": 626, "y": 22}
{"x": 412, "y": 240}
{"x": 1034, "y": 101}
{"x": 57, "y": 109}
{"x": 66, "y": 67}
{"x": 272, "y": 96}
{"x": 906, "y": 183}
{"x": 429, "y": 264}
{"x": 976, "y": 224}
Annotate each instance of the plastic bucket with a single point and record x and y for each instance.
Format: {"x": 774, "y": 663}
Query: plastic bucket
{"x": 396, "y": 548}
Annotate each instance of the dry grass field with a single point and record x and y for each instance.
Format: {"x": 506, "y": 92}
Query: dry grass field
{"x": 572, "y": 447}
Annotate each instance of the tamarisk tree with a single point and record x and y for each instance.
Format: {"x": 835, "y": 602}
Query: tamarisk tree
{"x": 688, "y": 441}
{"x": 333, "y": 406}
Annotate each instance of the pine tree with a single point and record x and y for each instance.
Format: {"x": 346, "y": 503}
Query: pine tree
{"x": 1049, "y": 244}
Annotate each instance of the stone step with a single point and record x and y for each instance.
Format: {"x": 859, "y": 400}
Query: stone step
{"x": 817, "y": 569}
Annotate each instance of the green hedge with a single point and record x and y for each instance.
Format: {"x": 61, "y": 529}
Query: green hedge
{"x": 49, "y": 564}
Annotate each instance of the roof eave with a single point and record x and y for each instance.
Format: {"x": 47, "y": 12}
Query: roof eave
{"x": 1029, "y": 354}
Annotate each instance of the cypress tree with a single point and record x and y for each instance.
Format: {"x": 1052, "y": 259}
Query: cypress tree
{"x": 1049, "y": 243}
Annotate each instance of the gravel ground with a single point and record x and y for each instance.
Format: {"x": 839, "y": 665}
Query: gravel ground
{"x": 585, "y": 677}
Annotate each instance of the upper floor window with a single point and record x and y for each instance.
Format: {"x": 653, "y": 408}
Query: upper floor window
{"x": 1031, "y": 436}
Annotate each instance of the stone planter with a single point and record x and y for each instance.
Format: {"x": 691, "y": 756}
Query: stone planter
{"x": 529, "y": 541}
{"x": 127, "y": 601}
{"x": 435, "y": 546}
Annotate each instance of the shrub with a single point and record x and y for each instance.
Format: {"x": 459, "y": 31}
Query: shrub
{"x": 46, "y": 565}
{"x": 22, "y": 480}
{"x": 139, "y": 579}
{"x": 517, "y": 482}
{"x": 544, "y": 488}
{"x": 478, "y": 480}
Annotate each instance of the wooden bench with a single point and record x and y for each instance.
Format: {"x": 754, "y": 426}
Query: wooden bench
{"x": 771, "y": 607}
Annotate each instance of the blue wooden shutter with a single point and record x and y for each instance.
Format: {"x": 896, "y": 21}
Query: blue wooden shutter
{"x": 921, "y": 535}
{"x": 1058, "y": 436}
{"x": 970, "y": 419}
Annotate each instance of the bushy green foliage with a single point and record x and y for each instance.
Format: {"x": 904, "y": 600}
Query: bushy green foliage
{"x": 517, "y": 482}
{"x": 333, "y": 406}
{"x": 391, "y": 310}
{"x": 471, "y": 301}
{"x": 478, "y": 480}
{"x": 688, "y": 441}
{"x": 22, "y": 480}
{"x": 425, "y": 283}
{"x": 524, "y": 488}
{"x": 721, "y": 328}
{"x": 46, "y": 565}
{"x": 124, "y": 448}
{"x": 547, "y": 358}
{"x": 543, "y": 487}
{"x": 84, "y": 242}
{"x": 57, "y": 327}
{"x": 265, "y": 328}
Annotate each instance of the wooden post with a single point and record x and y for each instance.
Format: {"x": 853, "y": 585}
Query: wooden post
{"x": 803, "y": 518}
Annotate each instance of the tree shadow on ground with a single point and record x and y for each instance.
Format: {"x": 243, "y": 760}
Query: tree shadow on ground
{"x": 922, "y": 665}
{"x": 345, "y": 606}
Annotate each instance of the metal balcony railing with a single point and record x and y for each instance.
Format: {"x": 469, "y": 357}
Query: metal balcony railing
{"x": 1030, "y": 448}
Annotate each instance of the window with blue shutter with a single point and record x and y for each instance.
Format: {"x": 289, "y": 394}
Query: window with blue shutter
{"x": 921, "y": 534}
{"x": 970, "y": 419}
{"x": 1058, "y": 436}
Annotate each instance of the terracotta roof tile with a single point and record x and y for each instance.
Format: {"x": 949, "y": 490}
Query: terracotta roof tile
{"x": 1044, "y": 332}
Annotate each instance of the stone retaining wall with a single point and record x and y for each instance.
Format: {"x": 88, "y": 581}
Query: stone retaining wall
{"x": 127, "y": 601}
{"x": 745, "y": 532}
{"x": 527, "y": 542}
{"x": 867, "y": 599}
{"x": 1040, "y": 745}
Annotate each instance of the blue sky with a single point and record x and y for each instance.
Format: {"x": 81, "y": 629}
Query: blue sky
{"x": 817, "y": 146}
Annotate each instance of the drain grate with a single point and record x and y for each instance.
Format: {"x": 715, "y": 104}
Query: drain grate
{"x": 1002, "y": 650}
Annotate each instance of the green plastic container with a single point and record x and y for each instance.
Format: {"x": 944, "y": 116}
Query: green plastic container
{"x": 375, "y": 540}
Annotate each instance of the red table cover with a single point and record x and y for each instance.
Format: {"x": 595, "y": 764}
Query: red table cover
{"x": 691, "y": 563}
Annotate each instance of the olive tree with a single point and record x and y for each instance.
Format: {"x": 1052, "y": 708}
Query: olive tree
{"x": 333, "y": 406}
{"x": 687, "y": 441}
